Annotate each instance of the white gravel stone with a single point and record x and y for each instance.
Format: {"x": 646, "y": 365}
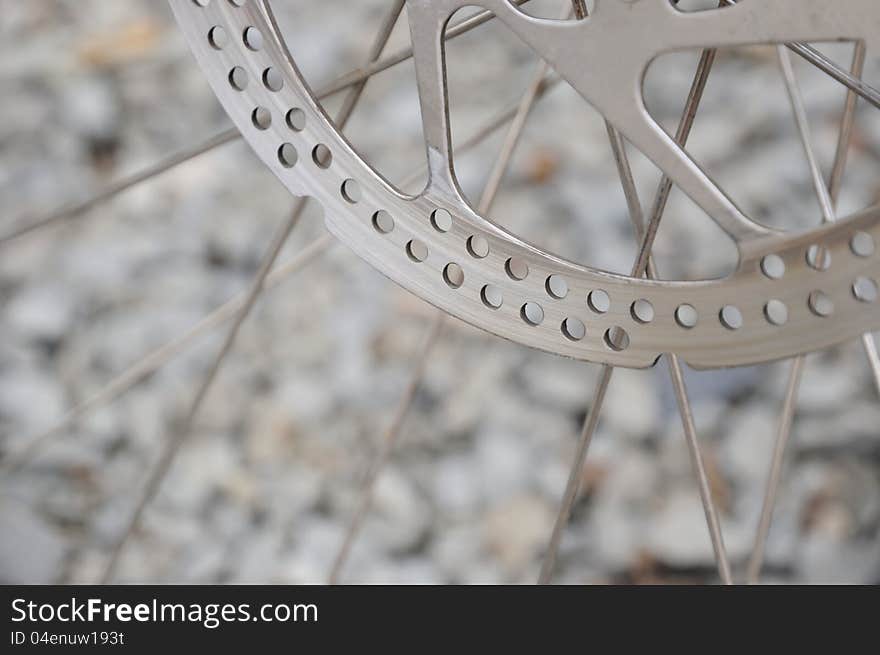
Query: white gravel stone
{"x": 31, "y": 550}
{"x": 41, "y": 313}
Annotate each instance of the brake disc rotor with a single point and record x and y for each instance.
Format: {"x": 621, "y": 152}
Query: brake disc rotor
{"x": 781, "y": 301}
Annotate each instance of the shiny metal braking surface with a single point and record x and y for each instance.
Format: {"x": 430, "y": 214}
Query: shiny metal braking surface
{"x": 780, "y": 302}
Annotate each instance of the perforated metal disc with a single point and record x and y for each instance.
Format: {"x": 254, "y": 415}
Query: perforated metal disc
{"x": 779, "y": 302}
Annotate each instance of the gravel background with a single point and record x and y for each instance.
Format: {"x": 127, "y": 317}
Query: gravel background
{"x": 93, "y": 90}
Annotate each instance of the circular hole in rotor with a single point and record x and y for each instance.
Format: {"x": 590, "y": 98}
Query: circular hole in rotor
{"x": 478, "y": 246}
{"x": 261, "y": 118}
{"x": 686, "y": 316}
{"x": 441, "y": 220}
{"x": 201, "y": 3}
{"x": 574, "y": 329}
{"x": 642, "y": 311}
{"x": 287, "y": 155}
{"x": 731, "y": 317}
{"x": 296, "y": 120}
{"x": 322, "y": 156}
{"x": 862, "y": 244}
{"x": 819, "y": 257}
{"x": 820, "y": 304}
{"x": 253, "y": 38}
{"x": 238, "y": 78}
{"x": 453, "y": 275}
{"x": 865, "y": 289}
{"x": 417, "y": 251}
{"x": 776, "y": 312}
{"x": 599, "y": 301}
{"x": 237, "y": 3}
{"x": 492, "y": 296}
{"x": 617, "y": 339}
{"x": 272, "y": 79}
{"x": 351, "y": 191}
{"x": 517, "y": 268}
{"x": 218, "y": 38}
{"x": 383, "y": 222}
{"x": 773, "y": 266}
{"x": 557, "y": 287}
{"x": 532, "y": 313}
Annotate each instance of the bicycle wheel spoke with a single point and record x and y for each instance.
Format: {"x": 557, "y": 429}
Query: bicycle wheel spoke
{"x": 756, "y": 560}
{"x": 153, "y": 361}
{"x": 77, "y": 209}
{"x": 682, "y": 134}
{"x": 514, "y": 133}
{"x": 857, "y": 86}
{"x": 404, "y": 54}
{"x": 643, "y": 264}
{"x": 358, "y": 76}
{"x": 647, "y": 235}
{"x": 574, "y": 476}
{"x": 389, "y": 440}
{"x": 172, "y": 447}
{"x": 800, "y": 117}
{"x": 847, "y": 123}
{"x": 827, "y": 197}
{"x": 807, "y": 52}
{"x": 790, "y": 31}
{"x": 537, "y": 87}
{"x": 690, "y": 433}
{"x": 853, "y": 82}
{"x": 870, "y": 346}
{"x": 349, "y": 80}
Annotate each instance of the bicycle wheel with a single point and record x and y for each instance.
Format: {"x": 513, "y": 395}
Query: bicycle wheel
{"x": 746, "y": 292}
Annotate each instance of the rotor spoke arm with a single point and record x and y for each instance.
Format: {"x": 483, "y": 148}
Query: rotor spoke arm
{"x": 427, "y": 25}
{"x": 677, "y": 165}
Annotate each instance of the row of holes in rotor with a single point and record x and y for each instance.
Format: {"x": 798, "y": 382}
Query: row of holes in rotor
{"x": 773, "y": 266}
{"x": 776, "y": 312}
{"x": 818, "y": 257}
{"x": 531, "y": 312}
{"x": 642, "y": 310}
